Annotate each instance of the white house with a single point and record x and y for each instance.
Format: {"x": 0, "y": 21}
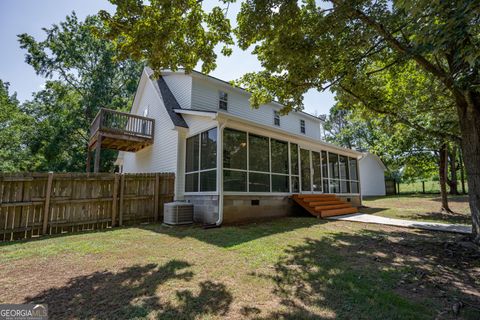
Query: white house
{"x": 372, "y": 171}
{"x": 231, "y": 161}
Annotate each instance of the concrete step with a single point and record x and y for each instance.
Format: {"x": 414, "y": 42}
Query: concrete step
{"x": 338, "y": 212}
{"x": 331, "y": 207}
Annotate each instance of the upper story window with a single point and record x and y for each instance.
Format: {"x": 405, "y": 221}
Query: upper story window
{"x": 276, "y": 118}
{"x": 222, "y": 100}
{"x": 302, "y": 126}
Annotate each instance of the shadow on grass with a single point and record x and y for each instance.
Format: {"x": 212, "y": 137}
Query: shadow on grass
{"x": 233, "y": 235}
{"x": 132, "y": 293}
{"x": 376, "y": 275}
{"x": 371, "y": 210}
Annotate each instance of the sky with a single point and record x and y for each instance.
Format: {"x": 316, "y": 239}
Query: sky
{"x": 30, "y": 16}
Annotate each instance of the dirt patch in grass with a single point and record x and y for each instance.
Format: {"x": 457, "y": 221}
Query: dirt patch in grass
{"x": 288, "y": 268}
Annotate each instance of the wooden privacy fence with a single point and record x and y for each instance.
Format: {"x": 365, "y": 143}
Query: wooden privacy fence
{"x": 35, "y": 204}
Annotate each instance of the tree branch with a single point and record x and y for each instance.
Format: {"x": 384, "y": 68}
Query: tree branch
{"x": 401, "y": 119}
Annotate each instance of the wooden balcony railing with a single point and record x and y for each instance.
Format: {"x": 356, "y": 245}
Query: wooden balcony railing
{"x": 122, "y": 123}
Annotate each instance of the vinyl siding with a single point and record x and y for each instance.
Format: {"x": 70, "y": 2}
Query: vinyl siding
{"x": 181, "y": 87}
{"x": 162, "y": 155}
{"x": 205, "y": 97}
{"x": 372, "y": 177}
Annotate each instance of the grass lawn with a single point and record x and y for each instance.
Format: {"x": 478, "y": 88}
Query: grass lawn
{"x": 290, "y": 268}
{"x": 422, "y": 207}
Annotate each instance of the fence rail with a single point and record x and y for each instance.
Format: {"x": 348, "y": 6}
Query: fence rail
{"x": 35, "y": 204}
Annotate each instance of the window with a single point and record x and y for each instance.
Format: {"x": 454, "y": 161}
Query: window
{"x": 302, "y": 126}
{"x": 201, "y": 162}
{"x": 222, "y": 100}
{"x": 276, "y": 118}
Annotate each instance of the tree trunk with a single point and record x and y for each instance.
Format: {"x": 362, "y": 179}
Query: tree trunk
{"x": 468, "y": 108}
{"x": 442, "y": 172}
{"x": 453, "y": 171}
{"x": 462, "y": 172}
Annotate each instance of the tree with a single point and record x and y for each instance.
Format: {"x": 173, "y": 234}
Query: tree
{"x": 305, "y": 45}
{"x": 89, "y": 77}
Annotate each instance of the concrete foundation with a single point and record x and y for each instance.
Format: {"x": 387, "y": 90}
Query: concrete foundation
{"x": 241, "y": 208}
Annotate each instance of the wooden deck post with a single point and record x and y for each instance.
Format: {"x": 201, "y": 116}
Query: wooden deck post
{"x": 46, "y": 209}
{"x": 98, "y": 150}
{"x": 115, "y": 199}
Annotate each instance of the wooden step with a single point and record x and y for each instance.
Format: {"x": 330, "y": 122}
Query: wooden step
{"x": 338, "y": 212}
{"x": 322, "y": 196}
{"x": 316, "y": 199}
{"x": 328, "y": 202}
{"x": 331, "y": 207}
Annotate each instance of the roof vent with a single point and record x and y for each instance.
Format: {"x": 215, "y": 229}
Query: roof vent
{"x": 176, "y": 213}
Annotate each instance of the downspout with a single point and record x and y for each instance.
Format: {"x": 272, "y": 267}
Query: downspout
{"x": 221, "y": 126}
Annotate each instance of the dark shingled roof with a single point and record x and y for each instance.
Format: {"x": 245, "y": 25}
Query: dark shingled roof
{"x": 171, "y": 103}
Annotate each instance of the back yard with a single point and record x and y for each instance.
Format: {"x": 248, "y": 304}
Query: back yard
{"x": 295, "y": 268}
{"x": 421, "y": 207}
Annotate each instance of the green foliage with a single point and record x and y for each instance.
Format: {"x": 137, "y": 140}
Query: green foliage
{"x": 168, "y": 34}
{"x": 15, "y": 129}
{"x": 89, "y": 77}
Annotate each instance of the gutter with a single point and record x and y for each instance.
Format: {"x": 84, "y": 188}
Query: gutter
{"x": 218, "y": 223}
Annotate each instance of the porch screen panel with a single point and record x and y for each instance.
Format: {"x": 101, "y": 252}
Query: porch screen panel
{"x": 334, "y": 172}
{"x": 317, "y": 172}
{"x": 294, "y": 174}
{"x": 259, "y": 157}
{"x": 325, "y": 171}
{"x": 305, "y": 169}
{"x": 279, "y": 156}
{"x": 201, "y": 162}
{"x": 192, "y": 152}
{"x": 344, "y": 174}
{"x": 235, "y": 180}
{"x": 353, "y": 163}
{"x": 234, "y": 149}
{"x": 279, "y": 161}
{"x": 234, "y": 160}
{"x": 209, "y": 149}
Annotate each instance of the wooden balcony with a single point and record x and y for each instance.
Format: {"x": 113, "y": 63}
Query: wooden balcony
{"x": 119, "y": 131}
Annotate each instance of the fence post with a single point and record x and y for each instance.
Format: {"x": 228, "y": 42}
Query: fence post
{"x": 156, "y": 195}
{"x": 122, "y": 191}
{"x": 114, "y": 199}
{"x": 46, "y": 209}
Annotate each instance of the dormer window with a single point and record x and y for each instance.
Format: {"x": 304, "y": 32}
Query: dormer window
{"x": 302, "y": 126}
{"x": 276, "y": 118}
{"x": 222, "y": 100}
